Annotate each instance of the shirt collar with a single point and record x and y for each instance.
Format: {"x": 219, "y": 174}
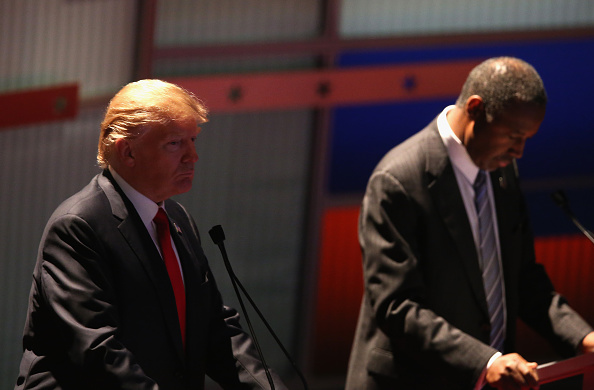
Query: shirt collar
{"x": 456, "y": 151}
{"x": 146, "y": 208}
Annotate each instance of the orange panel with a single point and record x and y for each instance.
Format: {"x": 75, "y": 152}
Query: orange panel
{"x": 39, "y": 105}
{"x": 325, "y": 88}
{"x": 340, "y": 289}
{"x": 569, "y": 261}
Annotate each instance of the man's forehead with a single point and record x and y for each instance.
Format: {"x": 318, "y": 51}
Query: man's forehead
{"x": 178, "y": 127}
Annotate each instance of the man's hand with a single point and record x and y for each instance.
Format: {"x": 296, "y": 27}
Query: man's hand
{"x": 588, "y": 343}
{"x": 512, "y": 371}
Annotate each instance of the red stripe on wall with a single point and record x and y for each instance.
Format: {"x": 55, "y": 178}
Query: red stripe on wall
{"x": 39, "y": 105}
{"x": 340, "y": 289}
{"x": 569, "y": 260}
{"x": 326, "y": 88}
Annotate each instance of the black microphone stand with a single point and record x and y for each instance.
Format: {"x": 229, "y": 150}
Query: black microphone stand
{"x": 561, "y": 200}
{"x": 218, "y": 236}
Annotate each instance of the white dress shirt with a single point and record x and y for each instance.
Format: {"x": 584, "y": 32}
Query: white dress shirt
{"x": 466, "y": 172}
{"x": 146, "y": 209}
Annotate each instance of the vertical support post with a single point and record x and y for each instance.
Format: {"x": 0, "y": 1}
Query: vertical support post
{"x": 145, "y": 39}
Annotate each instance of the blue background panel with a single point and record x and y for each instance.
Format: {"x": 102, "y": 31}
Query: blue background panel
{"x": 560, "y": 155}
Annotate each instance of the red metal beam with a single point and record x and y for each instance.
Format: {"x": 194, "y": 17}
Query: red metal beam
{"x": 327, "y": 88}
{"x": 39, "y": 105}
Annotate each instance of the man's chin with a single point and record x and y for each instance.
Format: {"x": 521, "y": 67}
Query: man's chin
{"x": 504, "y": 162}
{"x": 185, "y": 185}
{"x": 495, "y": 164}
{"x": 500, "y": 162}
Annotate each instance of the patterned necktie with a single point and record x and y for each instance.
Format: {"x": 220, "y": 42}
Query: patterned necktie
{"x": 489, "y": 262}
{"x": 162, "y": 223}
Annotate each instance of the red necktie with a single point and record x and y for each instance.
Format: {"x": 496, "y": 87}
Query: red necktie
{"x": 162, "y": 223}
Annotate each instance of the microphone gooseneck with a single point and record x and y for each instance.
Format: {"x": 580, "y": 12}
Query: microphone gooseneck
{"x": 218, "y": 236}
{"x": 559, "y": 198}
{"x": 562, "y": 201}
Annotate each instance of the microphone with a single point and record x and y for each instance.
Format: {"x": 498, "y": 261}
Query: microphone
{"x": 218, "y": 236}
{"x": 562, "y": 201}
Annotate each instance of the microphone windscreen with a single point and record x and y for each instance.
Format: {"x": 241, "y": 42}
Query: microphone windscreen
{"x": 559, "y": 198}
{"x": 217, "y": 234}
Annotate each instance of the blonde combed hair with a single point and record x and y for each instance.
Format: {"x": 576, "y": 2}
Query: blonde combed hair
{"x": 143, "y": 104}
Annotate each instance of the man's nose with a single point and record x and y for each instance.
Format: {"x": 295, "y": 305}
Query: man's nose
{"x": 517, "y": 149}
{"x": 191, "y": 154}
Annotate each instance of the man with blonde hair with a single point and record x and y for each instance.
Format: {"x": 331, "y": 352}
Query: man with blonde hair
{"x": 122, "y": 294}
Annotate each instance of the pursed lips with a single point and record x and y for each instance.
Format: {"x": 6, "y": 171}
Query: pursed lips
{"x": 189, "y": 173}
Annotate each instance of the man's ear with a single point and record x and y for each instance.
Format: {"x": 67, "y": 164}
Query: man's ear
{"x": 475, "y": 107}
{"x": 124, "y": 152}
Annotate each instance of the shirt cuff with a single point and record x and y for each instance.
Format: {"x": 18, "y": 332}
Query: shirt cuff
{"x": 481, "y": 381}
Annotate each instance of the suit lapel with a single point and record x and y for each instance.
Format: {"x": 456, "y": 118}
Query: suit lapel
{"x": 504, "y": 190}
{"x": 443, "y": 187}
{"x": 139, "y": 240}
{"x": 190, "y": 267}
{"x": 195, "y": 278}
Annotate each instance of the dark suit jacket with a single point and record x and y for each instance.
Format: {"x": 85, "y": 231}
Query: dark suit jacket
{"x": 102, "y": 312}
{"x": 424, "y": 322}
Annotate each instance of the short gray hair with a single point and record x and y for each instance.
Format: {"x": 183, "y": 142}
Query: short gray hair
{"x": 501, "y": 81}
